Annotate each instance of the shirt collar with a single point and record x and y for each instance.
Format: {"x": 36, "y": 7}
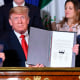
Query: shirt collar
{"x": 18, "y": 34}
{"x": 15, "y": 5}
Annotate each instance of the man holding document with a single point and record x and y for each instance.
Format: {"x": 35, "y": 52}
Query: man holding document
{"x": 15, "y": 42}
{"x": 14, "y": 52}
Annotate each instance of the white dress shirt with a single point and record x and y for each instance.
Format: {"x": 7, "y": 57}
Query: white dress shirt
{"x": 26, "y": 36}
{"x": 15, "y": 5}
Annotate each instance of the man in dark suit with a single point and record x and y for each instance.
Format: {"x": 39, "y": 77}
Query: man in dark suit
{"x": 34, "y": 14}
{"x": 14, "y": 53}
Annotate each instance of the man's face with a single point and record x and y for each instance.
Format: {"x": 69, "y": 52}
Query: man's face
{"x": 18, "y": 1}
{"x": 19, "y": 22}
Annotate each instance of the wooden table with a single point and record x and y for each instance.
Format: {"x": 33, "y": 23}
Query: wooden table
{"x": 21, "y": 73}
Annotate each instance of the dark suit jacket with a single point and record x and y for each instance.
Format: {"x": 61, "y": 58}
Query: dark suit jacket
{"x": 78, "y": 56}
{"x": 13, "y": 51}
{"x": 7, "y": 1}
{"x": 34, "y": 13}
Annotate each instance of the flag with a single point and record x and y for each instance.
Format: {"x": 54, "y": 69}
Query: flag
{"x": 48, "y": 12}
{"x": 60, "y": 10}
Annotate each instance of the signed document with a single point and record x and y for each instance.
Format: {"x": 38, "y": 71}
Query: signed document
{"x": 51, "y": 48}
{"x": 61, "y": 51}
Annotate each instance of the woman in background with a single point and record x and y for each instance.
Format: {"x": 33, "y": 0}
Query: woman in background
{"x": 71, "y": 21}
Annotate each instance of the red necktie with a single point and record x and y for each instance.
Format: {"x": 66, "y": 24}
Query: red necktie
{"x": 24, "y": 45}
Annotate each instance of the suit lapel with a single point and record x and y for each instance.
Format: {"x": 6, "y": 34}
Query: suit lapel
{"x": 16, "y": 45}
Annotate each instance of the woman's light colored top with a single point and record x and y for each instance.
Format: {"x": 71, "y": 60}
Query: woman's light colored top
{"x": 75, "y": 28}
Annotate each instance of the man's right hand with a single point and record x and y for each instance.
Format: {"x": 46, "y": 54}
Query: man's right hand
{"x": 38, "y": 65}
{"x": 2, "y": 55}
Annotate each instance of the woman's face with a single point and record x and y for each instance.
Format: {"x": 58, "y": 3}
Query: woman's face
{"x": 69, "y": 10}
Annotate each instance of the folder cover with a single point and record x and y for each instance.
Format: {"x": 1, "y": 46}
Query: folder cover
{"x": 40, "y": 49}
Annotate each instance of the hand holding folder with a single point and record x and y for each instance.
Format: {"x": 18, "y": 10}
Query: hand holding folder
{"x": 2, "y": 56}
{"x": 51, "y": 48}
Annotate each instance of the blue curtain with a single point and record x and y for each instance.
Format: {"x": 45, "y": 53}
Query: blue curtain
{"x": 33, "y": 2}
